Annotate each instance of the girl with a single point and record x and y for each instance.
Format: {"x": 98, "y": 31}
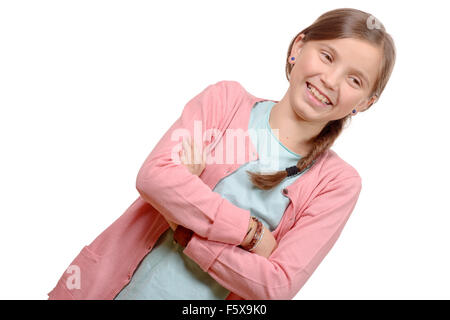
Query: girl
{"x": 258, "y": 228}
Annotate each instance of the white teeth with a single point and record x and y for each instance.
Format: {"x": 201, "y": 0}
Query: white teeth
{"x": 318, "y": 95}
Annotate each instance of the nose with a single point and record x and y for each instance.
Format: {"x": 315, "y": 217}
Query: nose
{"x": 330, "y": 80}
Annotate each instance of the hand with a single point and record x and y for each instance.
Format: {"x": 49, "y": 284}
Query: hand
{"x": 266, "y": 245}
{"x": 188, "y": 154}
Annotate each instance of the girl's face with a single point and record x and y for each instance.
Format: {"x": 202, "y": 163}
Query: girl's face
{"x": 344, "y": 70}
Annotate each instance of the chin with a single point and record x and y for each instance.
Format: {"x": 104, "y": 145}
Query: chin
{"x": 303, "y": 111}
{"x": 302, "y": 108}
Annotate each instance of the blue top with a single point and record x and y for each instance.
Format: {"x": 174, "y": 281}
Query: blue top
{"x": 167, "y": 273}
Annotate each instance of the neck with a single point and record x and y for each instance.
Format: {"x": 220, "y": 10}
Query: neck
{"x": 293, "y": 130}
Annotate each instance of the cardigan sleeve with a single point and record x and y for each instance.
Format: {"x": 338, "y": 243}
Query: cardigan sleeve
{"x": 299, "y": 251}
{"x": 165, "y": 183}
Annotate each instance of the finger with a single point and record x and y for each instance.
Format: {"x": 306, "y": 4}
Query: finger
{"x": 191, "y": 151}
{"x": 187, "y": 152}
{"x": 184, "y": 143}
{"x": 194, "y": 152}
{"x": 182, "y": 157}
{"x": 205, "y": 153}
{"x": 194, "y": 148}
{"x": 184, "y": 153}
{"x": 201, "y": 155}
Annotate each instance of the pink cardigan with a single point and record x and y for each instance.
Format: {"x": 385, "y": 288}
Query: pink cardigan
{"x": 321, "y": 201}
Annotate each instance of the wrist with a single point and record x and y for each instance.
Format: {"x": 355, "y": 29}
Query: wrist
{"x": 254, "y": 236}
{"x": 250, "y": 232}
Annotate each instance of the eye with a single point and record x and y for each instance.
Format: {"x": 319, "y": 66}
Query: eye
{"x": 357, "y": 82}
{"x": 327, "y": 56}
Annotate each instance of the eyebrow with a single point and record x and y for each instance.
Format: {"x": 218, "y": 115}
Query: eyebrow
{"x": 360, "y": 73}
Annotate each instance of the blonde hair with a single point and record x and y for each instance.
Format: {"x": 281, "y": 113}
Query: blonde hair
{"x": 336, "y": 24}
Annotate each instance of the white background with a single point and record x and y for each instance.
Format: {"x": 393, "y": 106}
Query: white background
{"x": 87, "y": 88}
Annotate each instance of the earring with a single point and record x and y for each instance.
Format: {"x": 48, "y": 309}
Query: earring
{"x": 292, "y": 58}
{"x": 354, "y": 111}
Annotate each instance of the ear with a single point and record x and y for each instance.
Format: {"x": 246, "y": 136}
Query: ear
{"x": 370, "y": 102}
{"x": 298, "y": 44}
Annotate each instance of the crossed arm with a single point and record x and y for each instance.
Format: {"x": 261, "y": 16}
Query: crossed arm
{"x": 188, "y": 154}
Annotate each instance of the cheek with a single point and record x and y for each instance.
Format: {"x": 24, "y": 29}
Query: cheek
{"x": 349, "y": 99}
{"x": 309, "y": 65}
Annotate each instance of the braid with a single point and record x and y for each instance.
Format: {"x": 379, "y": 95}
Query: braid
{"x": 320, "y": 143}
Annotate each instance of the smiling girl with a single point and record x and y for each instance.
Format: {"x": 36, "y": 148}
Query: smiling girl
{"x": 242, "y": 232}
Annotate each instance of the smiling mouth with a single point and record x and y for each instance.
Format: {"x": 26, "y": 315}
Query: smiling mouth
{"x": 315, "y": 93}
